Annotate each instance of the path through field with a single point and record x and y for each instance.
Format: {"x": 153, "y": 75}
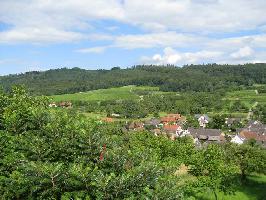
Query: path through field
{"x": 250, "y": 112}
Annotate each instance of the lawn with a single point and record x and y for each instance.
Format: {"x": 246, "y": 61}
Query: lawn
{"x": 254, "y": 189}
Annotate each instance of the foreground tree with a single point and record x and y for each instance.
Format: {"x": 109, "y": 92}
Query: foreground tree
{"x": 248, "y": 158}
{"x": 57, "y": 155}
{"x": 213, "y": 171}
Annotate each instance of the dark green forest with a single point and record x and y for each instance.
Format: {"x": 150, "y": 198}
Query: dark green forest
{"x": 205, "y": 78}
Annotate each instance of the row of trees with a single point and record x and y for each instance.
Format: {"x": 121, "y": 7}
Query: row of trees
{"x": 48, "y": 154}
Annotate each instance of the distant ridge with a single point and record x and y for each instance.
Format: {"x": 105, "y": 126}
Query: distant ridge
{"x": 208, "y": 77}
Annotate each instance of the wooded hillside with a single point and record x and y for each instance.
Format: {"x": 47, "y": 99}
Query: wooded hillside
{"x": 168, "y": 78}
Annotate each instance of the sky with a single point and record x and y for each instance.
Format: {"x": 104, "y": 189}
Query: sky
{"x": 93, "y": 34}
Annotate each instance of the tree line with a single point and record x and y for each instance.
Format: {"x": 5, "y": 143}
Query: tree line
{"x": 207, "y": 78}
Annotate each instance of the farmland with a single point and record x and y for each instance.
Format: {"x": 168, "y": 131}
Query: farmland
{"x": 247, "y": 97}
{"x": 121, "y": 93}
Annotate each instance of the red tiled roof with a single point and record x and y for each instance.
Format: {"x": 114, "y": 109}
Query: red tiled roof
{"x": 251, "y": 135}
{"x": 108, "y": 119}
{"x": 176, "y": 116}
{"x": 171, "y": 127}
{"x": 168, "y": 119}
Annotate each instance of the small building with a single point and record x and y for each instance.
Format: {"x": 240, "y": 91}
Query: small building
{"x": 256, "y": 127}
{"x": 52, "y": 105}
{"x": 203, "y": 121}
{"x": 207, "y": 135}
{"x": 176, "y": 116}
{"x": 246, "y": 135}
{"x": 108, "y": 120}
{"x": 172, "y": 129}
{"x": 155, "y": 123}
{"x": 65, "y": 104}
{"x": 232, "y": 121}
{"x": 168, "y": 120}
{"x": 115, "y": 115}
{"x": 136, "y": 126}
{"x": 171, "y": 119}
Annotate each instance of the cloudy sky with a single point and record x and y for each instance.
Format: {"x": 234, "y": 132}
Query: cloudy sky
{"x": 44, "y": 34}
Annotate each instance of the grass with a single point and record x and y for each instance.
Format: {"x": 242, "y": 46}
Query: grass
{"x": 121, "y": 93}
{"x": 254, "y": 189}
{"x": 93, "y": 115}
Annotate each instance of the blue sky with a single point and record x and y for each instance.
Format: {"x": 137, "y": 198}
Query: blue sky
{"x": 45, "y": 34}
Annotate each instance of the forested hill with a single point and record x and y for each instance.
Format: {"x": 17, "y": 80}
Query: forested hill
{"x": 169, "y": 78}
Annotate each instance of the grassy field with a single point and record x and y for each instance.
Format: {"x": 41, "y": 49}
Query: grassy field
{"x": 126, "y": 92}
{"x": 246, "y": 96}
{"x": 254, "y": 189}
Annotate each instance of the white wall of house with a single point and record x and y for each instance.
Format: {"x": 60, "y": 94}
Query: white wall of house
{"x": 203, "y": 121}
{"x": 237, "y": 140}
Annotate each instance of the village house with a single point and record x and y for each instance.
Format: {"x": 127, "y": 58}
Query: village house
{"x": 108, "y": 120}
{"x": 184, "y": 133}
{"x": 244, "y": 136}
{"x": 115, "y": 115}
{"x": 154, "y": 123}
{"x": 65, "y": 104}
{"x": 176, "y": 116}
{"x": 172, "y": 129}
{"x": 231, "y": 121}
{"x": 52, "y": 105}
{"x": 203, "y": 120}
{"x": 254, "y": 130}
{"x": 256, "y": 127}
{"x": 170, "y": 119}
{"x": 207, "y": 135}
{"x": 136, "y": 126}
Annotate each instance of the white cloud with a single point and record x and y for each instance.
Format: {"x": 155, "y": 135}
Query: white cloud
{"x": 173, "y": 25}
{"x": 171, "y": 56}
{"x": 92, "y": 50}
{"x": 156, "y": 40}
{"x": 69, "y": 17}
{"x": 41, "y": 21}
{"x": 37, "y": 35}
{"x": 197, "y": 15}
{"x": 242, "y": 53}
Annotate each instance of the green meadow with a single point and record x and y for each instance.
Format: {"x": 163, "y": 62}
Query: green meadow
{"x": 120, "y": 93}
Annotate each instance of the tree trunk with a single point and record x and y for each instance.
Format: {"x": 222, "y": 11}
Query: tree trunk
{"x": 243, "y": 176}
{"x": 215, "y": 194}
